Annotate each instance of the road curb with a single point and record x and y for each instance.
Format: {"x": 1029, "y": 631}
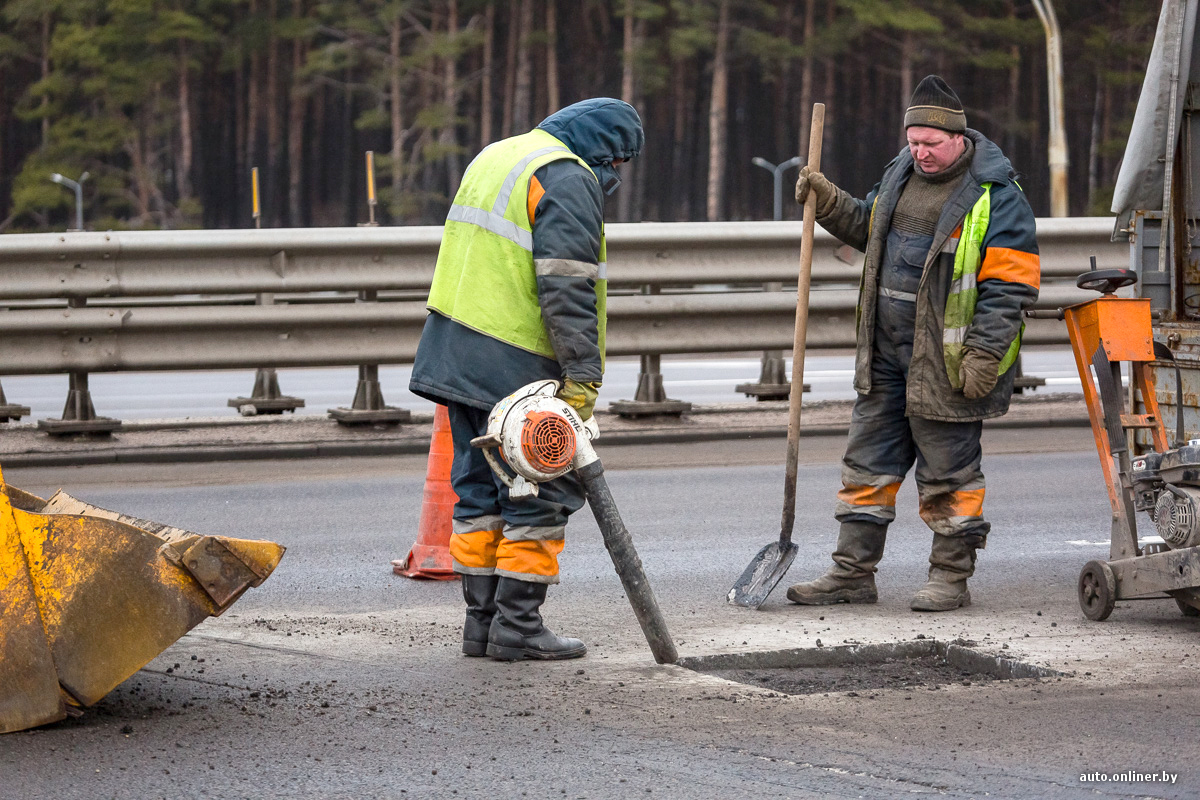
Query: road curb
{"x": 197, "y": 441}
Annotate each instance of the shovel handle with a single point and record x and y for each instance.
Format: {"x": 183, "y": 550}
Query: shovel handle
{"x": 815, "y": 136}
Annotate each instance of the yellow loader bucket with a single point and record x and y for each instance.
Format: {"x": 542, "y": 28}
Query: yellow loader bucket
{"x": 88, "y": 597}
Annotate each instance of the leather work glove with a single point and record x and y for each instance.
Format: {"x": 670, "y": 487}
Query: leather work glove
{"x": 820, "y": 187}
{"x": 978, "y": 372}
{"x": 580, "y": 395}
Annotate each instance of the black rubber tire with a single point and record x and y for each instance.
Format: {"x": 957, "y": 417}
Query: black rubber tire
{"x": 1187, "y": 610}
{"x": 1097, "y": 590}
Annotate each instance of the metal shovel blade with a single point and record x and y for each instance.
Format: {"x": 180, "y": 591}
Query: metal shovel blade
{"x": 764, "y": 572}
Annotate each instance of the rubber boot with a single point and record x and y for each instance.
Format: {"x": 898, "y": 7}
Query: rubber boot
{"x": 851, "y": 579}
{"x": 480, "y": 593}
{"x": 517, "y": 631}
{"x": 951, "y": 562}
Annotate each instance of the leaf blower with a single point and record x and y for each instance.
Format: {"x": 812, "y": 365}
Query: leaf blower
{"x": 533, "y": 437}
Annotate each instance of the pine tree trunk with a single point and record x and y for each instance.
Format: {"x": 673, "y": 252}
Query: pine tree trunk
{"x": 1106, "y": 134}
{"x": 828, "y": 155}
{"x": 625, "y": 193}
{"x": 253, "y": 112}
{"x": 448, "y": 136}
{"x": 523, "y": 98}
{"x": 1094, "y": 147}
{"x": 45, "y": 74}
{"x": 718, "y": 113}
{"x": 638, "y": 168}
{"x": 183, "y": 176}
{"x": 397, "y": 112}
{"x": 1014, "y": 107}
{"x": 139, "y": 167}
{"x": 485, "y": 87}
{"x": 806, "y": 78}
{"x": 678, "y": 200}
{"x": 510, "y": 69}
{"x": 553, "y": 99}
{"x": 907, "y": 45}
{"x": 297, "y": 110}
{"x": 233, "y": 207}
{"x": 270, "y": 193}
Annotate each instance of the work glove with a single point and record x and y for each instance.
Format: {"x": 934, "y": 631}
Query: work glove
{"x": 978, "y": 372}
{"x": 822, "y": 190}
{"x": 580, "y": 395}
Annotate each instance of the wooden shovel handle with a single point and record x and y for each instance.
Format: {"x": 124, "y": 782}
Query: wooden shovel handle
{"x": 816, "y": 134}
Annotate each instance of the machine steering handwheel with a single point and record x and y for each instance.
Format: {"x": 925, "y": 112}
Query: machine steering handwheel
{"x": 1106, "y": 281}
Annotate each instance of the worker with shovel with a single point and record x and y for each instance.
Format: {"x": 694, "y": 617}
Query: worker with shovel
{"x": 951, "y": 264}
{"x": 518, "y": 296}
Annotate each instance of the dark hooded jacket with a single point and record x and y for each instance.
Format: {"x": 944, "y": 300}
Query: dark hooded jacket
{"x": 1008, "y": 279}
{"x": 457, "y": 363}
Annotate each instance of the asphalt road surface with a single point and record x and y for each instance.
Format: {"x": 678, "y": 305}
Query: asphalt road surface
{"x": 336, "y": 679}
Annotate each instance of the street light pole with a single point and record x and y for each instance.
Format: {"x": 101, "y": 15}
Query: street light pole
{"x": 1058, "y": 137}
{"x": 77, "y": 187}
{"x": 777, "y": 173}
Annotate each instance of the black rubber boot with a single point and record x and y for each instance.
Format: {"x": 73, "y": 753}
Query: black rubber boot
{"x": 517, "y": 631}
{"x": 480, "y": 593}
{"x": 851, "y": 579}
{"x": 951, "y": 562}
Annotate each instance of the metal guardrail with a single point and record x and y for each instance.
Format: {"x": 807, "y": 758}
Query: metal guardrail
{"x": 280, "y": 261}
{"x": 51, "y": 341}
{"x": 179, "y": 300}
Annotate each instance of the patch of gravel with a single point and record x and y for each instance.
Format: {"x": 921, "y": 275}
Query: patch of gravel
{"x": 920, "y": 672}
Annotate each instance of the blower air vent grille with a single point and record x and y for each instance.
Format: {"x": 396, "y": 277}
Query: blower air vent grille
{"x": 547, "y": 441}
{"x": 1176, "y": 519}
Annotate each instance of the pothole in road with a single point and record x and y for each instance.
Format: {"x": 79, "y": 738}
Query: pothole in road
{"x": 924, "y": 663}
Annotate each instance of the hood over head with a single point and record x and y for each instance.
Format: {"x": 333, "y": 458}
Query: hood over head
{"x": 599, "y": 130}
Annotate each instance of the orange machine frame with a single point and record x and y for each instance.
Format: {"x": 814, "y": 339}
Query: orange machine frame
{"x": 1121, "y": 326}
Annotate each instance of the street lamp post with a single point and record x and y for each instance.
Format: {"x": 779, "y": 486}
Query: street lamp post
{"x": 777, "y": 172}
{"x": 77, "y": 187}
{"x": 1059, "y": 206}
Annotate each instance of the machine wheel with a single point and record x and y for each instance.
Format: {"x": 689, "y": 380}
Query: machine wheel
{"x": 1097, "y": 590}
{"x": 1187, "y": 610}
{"x": 1106, "y": 281}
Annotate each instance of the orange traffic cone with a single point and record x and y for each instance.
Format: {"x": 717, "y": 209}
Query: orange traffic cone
{"x": 430, "y": 555}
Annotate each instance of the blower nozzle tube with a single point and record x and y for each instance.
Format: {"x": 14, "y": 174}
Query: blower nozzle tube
{"x": 625, "y": 558}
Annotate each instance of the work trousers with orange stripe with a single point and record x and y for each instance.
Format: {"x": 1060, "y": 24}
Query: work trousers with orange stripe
{"x": 884, "y": 443}
{"x": 492, "y": 534}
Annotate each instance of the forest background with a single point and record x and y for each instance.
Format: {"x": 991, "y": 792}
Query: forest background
{"x": 169, "y": 104}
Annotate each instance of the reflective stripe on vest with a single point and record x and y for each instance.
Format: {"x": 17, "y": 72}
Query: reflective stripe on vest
{"x": 960, "y": 303}
{"x": 485, "y": 276}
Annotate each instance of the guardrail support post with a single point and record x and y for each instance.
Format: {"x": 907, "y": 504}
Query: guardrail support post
{"x": 651, "y": 398}
{"x": 369, "y": 407}
{"x": 11, "y": 411}
{"x": 79, "y": 415}
{"x": 773, "y": 383}
{"x": 266, "y": 398}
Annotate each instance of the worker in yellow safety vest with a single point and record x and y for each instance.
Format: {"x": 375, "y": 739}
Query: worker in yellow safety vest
{"x": 951, "y": 264}
{"x": 518, "y": 295}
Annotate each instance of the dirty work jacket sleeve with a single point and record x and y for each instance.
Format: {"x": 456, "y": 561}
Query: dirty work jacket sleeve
{"x": 849, "y": 219}
{"x": 567, "y": 210}
{"x": 1009, "y": 273}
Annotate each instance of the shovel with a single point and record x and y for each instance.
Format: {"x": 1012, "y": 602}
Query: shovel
{"x": 767, "y": 568}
